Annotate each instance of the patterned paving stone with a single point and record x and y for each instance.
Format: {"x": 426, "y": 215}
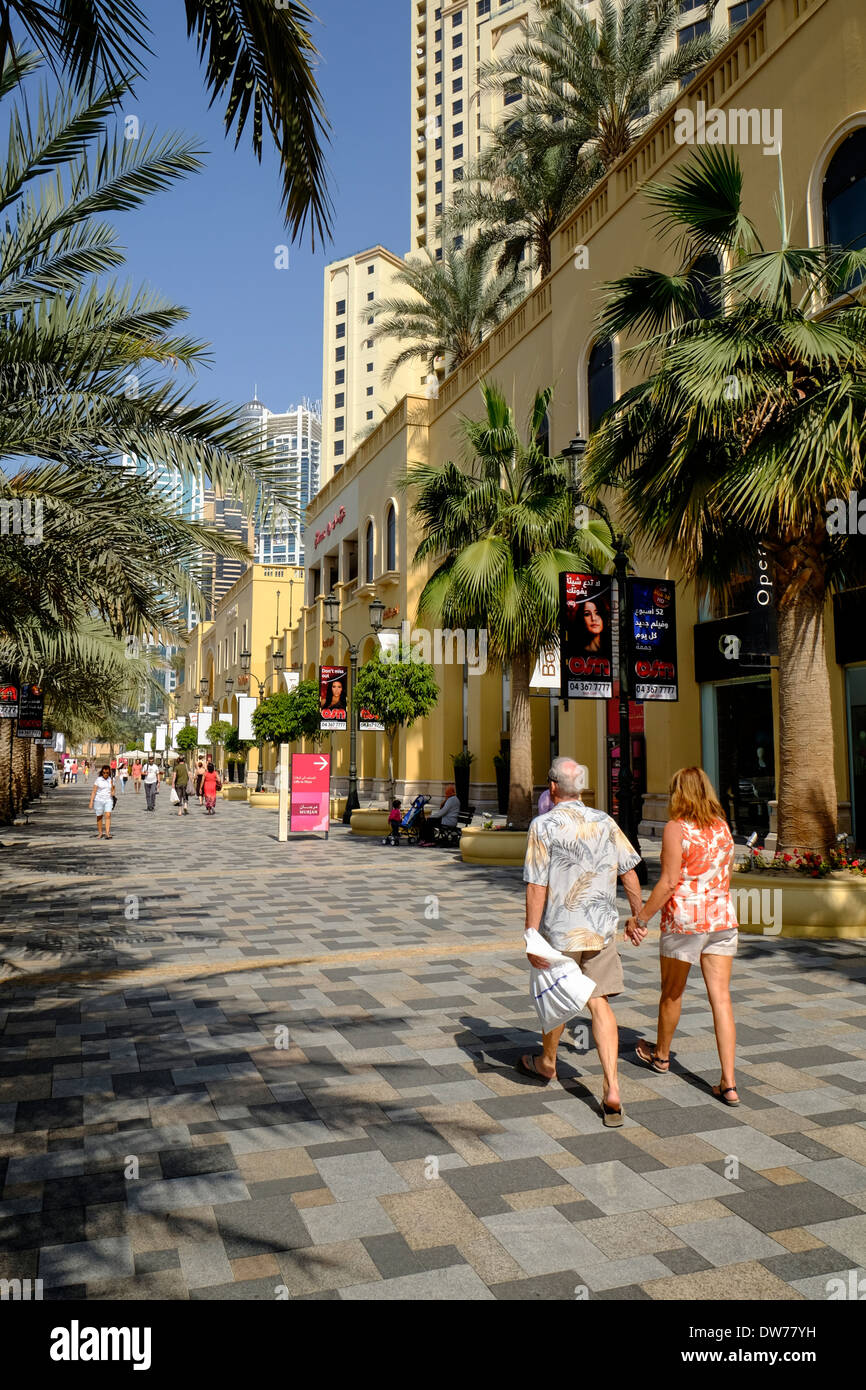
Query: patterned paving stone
{"x": 265, "y": 1172}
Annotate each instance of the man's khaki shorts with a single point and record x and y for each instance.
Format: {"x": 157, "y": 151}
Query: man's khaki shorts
{"x": 604, "y": 966}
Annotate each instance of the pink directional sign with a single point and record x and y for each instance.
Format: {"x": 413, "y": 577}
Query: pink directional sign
{"x": 311, "y": 791}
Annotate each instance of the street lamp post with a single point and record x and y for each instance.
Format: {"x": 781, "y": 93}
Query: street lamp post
{"x": 377, "y": 622}
{"x": 245, "y": 659}
{"x": 627, "y": 786}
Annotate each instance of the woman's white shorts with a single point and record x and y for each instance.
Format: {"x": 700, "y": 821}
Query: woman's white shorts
{"x": 690, "y": 946}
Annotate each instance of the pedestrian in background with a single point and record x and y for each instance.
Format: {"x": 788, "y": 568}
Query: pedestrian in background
{"x": 200, "y": 770}
{"x": 210, "y": 785}
{"x": 395, "y": 815}
{"x": 136, "y": 774}
{"x": 151, "y": 785}
{"x": 102, "y": 802}
{"x": 180, "y": 785}
{"x": 698, "y": 923}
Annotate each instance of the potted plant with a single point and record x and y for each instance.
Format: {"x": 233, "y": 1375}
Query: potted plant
{"x": 462, "y": 763}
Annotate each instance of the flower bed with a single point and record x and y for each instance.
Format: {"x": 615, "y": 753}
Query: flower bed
{"x": 801, "y": 894}
{"x": 501, "y": 848}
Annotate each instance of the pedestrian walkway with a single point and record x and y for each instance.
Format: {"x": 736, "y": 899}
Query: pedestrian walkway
{"x": 232, "y": 1068}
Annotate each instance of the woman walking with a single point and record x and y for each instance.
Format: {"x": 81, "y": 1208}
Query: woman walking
{"x": 136, "y": 774}
{"x": 102, "y": 801}
{"x": 210, "y": 785}
{"x": 200, "y": 769}
{"x": 180, "y": 784}
{"x": 698, "y": 923}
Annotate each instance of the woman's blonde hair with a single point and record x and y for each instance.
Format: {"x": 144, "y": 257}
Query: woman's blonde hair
{"x": 693, "y": 797}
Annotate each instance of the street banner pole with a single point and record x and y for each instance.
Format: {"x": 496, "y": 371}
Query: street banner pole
{"x": 284, "y": 793}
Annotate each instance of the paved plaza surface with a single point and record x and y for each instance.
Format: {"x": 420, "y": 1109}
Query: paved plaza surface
{"x": 234, "y": 1069}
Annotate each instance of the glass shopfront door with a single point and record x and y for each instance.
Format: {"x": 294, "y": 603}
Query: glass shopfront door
{"x": 746, "y": 757}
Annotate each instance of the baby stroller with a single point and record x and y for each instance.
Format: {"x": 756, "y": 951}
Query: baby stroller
{"x": 410, "y": 825}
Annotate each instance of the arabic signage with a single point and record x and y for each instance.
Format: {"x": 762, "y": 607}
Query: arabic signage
{"x": 8, "y": 700}
{"x": 652, "y": 639}
{"x": 333, "y": 701}
{"x": 311, "y": 791}
{"x": 31, "y": 712}
{"x": 585, "y": 636}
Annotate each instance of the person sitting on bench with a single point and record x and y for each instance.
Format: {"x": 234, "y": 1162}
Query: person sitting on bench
{"x": 443, "y": 819}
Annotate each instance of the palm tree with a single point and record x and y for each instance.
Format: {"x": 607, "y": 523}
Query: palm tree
{"x": 500, "y": 531}
{"x": 594, "y": 82}
{"x": 450, "y": 307}
{"x": 258, "y": 58}
{"x": 750, "y": 420}
{"x": 521, "y": 190}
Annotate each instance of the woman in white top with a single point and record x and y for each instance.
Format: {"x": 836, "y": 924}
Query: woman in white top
{"x": 102, "y": 801}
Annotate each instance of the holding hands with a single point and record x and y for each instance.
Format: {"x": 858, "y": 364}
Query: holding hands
{"x": 635, "y": 930}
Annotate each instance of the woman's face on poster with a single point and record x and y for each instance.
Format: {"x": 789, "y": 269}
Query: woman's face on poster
{"x": 593, "y": 620}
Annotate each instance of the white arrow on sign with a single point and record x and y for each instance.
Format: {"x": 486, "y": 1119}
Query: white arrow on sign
{"x": 323, "y": 763}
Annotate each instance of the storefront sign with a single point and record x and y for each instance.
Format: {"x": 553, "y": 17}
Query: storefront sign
{"x": 761, "y": 641}
{"x": 546, "y": 676}
{"x": 718, "y": 649}
{"x": 311, "y": 791}
{"x": 333, "y": 698}
{"x": 652, "y": 634}
{"x": 31, "y": 712}
{"x": 585, "y": 636}
{"x": 336, "y": 521}
{"x": 8, "y": 700}
{"x": 368, "y": 722}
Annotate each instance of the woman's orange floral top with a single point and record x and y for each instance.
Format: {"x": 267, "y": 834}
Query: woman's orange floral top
{"x": 701, "y": 901}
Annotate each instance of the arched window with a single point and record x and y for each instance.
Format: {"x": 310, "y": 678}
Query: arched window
{"x": 704, "y": 275}
{"x": 391, "y": 539}
{"x": 368, "y": 554}
{"x": 599, "y": 382}
{"x": 844, "y": 196}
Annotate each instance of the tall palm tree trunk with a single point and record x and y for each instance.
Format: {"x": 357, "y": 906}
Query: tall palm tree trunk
{"x": 20, "y": 761}
{"x": 520, "y": 789}
{"x": 807, "y": 784}
{"x": 6, "y": 810}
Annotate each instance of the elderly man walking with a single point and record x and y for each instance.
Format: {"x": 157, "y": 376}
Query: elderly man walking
{"x": 573, "y": 858}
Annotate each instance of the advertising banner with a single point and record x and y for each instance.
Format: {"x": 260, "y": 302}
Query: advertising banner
{"x": 333, "y": 698}
{"x": 652, "y": 646}
{"x": 368, "y": 722}
{"x": 205, "y": 719}
{"x": 246, "y": 705}
{"x": 161, "y": 731}
{"x": 585, "y": 636}
{"x": 8, "y": 700}
{"x": 31, "y": 712}
{"x": 311, "y": 791}
{"x": 291, "y": 680}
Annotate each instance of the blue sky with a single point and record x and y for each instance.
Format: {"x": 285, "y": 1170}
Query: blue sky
{"x": 208, "y": 243}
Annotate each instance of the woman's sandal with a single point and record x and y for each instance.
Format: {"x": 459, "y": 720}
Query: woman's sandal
{"x": 611, "y": 1118}
{"x": 721, "y": 1093}
{"x": 662, "y": 1065}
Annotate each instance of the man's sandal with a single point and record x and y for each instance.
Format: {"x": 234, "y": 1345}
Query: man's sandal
{"x": 655, "y": 1063}
{"x": 532, "y": 1070}
{"x": 612, "y": 1119}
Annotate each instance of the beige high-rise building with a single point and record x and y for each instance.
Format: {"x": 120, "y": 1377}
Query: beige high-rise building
{"x": 355, "y": 397}
{"x": 451, "y": 114}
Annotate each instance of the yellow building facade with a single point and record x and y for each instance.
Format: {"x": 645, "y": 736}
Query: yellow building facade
{"x": 803, "y": 58}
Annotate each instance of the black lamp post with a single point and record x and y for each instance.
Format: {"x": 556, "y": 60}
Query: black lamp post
{"x": 628, "y": 815}
{"x": 377, "y": 621}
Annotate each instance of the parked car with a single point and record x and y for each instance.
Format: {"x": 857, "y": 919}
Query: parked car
{"x": 49, "y": 774}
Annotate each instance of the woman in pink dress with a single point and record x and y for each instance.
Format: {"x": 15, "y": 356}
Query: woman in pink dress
{"x": 698, "y": 922}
